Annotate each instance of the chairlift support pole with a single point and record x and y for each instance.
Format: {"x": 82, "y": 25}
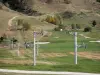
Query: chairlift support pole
{"x": 34, "y": 51}
{"x": 37, "y": 49}
{"x": 75, "y": 47}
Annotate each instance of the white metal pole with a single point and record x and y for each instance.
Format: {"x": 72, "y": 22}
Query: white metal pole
{"x": 75, "y": 45}
{"x": 37, "y": 49}
{"x": 34, "y": 52}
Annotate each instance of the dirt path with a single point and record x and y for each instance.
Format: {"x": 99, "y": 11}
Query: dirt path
{"x": 97, "y": 14}
{"x": 10, "y": 21}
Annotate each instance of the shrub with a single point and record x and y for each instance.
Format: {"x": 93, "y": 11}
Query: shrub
{"x": 19, "y": 21}
{"x": 14, "y": 40}
{"x": 3, "y": 38}
{"x": 21, "y": 25}
{"x": 78, "y": 26}
{"x": 73, "y": 26}
{"x": 67, "y": 14}
{"x": 94, "y": 23}
{"x": 98, "y": 0}
{"x": 57, "y": 20}
{"x": 51, "y": 19}
{"x": 56, "y": 29}
{"x": 26, "y": 26}
{"x": 49, "y": 1}
{"x": 67, "y": 1}
{"x": 87, "y": 29}
{"x": 59, "y": 27}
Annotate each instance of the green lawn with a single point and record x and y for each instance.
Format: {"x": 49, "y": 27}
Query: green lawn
{"x": 60, "y": 42}
{"x": 65, "y": 43}
{"x": 5, "y": 53}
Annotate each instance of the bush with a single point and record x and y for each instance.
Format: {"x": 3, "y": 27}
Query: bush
{"x": 67, "y": 14}
{"x": 26, "y": 26}
{"x": 59, "y": 27}
{"x": 98, "y": 0}
{"x": 21, "y": 25}
{"x": 67, "y": 1}
{"x": 49, "y": 1}
{"x": 56, "y": 29}
{"x": 78, "y": 26}
{"x": 14, "y": 40}
{"x": 94, "y": 23}
{"x": 87, "y": 29}
{"x": 51, "y": 19}
{"x": 3, "y": 38}
{"x": 19, "y": 21}
{"x": 73, "y": 26}
{"x": 57, "y": 20}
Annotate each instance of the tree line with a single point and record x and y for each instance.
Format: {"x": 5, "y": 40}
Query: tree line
{"x": 25, "y": 6}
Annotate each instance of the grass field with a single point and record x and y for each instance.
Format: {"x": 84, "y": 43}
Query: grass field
{"x": 58, "y": 55}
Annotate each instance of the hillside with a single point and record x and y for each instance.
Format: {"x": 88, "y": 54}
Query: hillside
{"x": 4, "y": 18}
{"x": 60, "y": 5}
{"x": 49, "y": 6}
{"x": 39, "y": 10}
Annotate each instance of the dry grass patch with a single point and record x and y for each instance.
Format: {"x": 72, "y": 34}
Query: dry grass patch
{"x": 52, "y": 55}
{"x": 22, "y": 62}
{"x": 89, "y": 55}
{"x": 12, "y": 61}
{"x": 47, "y": 62}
